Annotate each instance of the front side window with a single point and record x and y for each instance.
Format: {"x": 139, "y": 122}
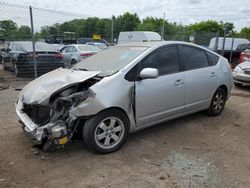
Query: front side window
{"x": 165, "y": 59}
{"x": 64, "y": 50}
{"x": 193, "y": 58}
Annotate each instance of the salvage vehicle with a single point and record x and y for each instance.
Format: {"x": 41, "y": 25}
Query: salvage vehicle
{"x": 122, "y": 90}
{"x": 241, "y": 74}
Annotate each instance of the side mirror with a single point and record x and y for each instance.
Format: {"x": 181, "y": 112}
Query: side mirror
{"x": 148, "y": 73}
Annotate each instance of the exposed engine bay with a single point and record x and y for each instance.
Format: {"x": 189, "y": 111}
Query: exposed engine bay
{"x": 56, "y": 126}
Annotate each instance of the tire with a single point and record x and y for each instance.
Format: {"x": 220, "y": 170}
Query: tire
{"x": 106, "y": 132}
{"x": 4, "y": 67}
{"x": 218, "y": 102}
{"x": 73, "y": 61}
{"x": 17, "y": 72}
{"x": 237, "y": 84}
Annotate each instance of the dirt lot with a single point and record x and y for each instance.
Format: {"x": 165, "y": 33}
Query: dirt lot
{"x": 194, "y": 151}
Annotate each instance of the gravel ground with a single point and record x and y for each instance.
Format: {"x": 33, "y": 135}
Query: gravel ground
{"x": 193, "y": 151}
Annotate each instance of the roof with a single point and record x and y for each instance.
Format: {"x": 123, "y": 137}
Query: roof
{"x": 152, "y": 43}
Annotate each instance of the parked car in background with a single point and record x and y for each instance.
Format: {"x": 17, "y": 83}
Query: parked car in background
{"x": 85, "y": 40}
{"x": 244, "y": 56}
{"x": 2, "y": 49}
{"x": 123, "y": 89}
{"x": 241, "y": 73}
{"x": 138, "y": 36}
{"x": 243, "y": 47}
{"x": 20, "y": 59}
{"x": 2, "y": 55}
{"x": 74, "y": 53}
{"x": 102, "y": 46}
{"x": 238, "y": 43}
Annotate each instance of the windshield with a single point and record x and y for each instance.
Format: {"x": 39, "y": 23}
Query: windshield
{"x": 111, "y": 60}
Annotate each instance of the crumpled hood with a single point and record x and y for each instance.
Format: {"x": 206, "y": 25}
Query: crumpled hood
{"x": 39, "y": 90}
{"x": 245, "y": 65}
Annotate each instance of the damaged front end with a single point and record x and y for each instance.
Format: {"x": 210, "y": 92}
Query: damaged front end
{"x": 51, "y": 124}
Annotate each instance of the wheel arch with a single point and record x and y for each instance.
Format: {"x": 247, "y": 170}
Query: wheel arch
{"x": 85, "y": 118}
{"x": 224, "y": 87}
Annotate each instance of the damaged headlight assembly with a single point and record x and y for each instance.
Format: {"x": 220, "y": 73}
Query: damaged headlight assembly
{"x": 61, "y": 126}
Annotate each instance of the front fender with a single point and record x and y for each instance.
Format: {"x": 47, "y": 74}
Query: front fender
{"x": 89, "y": 107}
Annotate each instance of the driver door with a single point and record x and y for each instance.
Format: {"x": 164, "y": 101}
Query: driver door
{"x": 160, "y": 98}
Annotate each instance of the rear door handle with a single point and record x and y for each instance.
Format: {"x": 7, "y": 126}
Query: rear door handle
{"x": 179, "y": 82}
{"x": 213, "y": 74}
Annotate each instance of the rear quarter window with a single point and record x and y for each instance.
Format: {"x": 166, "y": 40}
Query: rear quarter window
{"x": 213, "y": 58}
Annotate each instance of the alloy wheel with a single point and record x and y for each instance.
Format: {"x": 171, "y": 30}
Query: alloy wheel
{"x": 219, "y": 101}
{"x": 109, "y": 132}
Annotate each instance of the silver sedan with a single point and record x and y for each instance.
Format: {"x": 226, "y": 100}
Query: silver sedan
{"x": 74, "y": 53}
{"x": 121, "y": 90}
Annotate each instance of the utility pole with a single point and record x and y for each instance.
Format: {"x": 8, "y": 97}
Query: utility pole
{"x": 112, "y": 30}
{"x": 33, "y": 41}
{"x": 163, "y": 27}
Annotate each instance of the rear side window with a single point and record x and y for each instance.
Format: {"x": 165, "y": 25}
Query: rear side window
{"x": 165, "y": 59}
{"x": 213, "y": 58}
{"x": 193, "y": 58}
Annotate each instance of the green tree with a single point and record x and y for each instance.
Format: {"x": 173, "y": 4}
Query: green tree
{"x": 208, "y": 26}
{"x": 126, "y": 22}
{"x": 8, "y": 29}
{"x": 245, "y": 33}
{"x": 23, "y": 33}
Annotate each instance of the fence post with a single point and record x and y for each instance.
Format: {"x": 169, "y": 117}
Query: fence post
{"x": 163, "y": 27}
{"x": 33, "y": 42}
{"x": 217, "y": 41}
{"x": 224, "y": 39}
{"x": 231, "y": 52}
{"x": 112, "y": 30}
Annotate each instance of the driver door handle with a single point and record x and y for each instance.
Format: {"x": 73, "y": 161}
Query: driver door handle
{"x": 179, "y": 82}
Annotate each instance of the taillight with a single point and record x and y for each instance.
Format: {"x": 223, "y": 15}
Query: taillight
{"x": 30, "y": 55}
{"x": 59, "y": 55}
{"x": 244, "y": 57}
{"x": 86, "y": 55}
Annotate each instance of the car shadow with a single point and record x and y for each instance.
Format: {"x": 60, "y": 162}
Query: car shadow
{"x": 172, "y": 127}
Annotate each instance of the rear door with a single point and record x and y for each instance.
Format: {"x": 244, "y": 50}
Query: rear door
{"x": 163, "y": 97}
{"x": 200, "y": 78}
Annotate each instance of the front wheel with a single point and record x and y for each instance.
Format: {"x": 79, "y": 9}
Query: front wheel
{"x": 218, "y": 102}
{"x": 106, "y": 132}
{"x": 16, "y": 70}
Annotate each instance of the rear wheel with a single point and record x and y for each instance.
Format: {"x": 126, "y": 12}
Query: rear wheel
{"x": 73, "y": 61}
{"x": 218, "y": 102}
{"x": 106, "y": 132}
{"x": 16, "y": 70}
{"x": 4, "y": 66}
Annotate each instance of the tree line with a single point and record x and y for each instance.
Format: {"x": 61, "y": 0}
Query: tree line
{"x": 126, "y": 22}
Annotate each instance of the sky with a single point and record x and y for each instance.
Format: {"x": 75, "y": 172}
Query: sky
{"x": 180, "y": 11}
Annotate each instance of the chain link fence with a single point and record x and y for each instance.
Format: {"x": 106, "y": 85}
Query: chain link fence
{"x": 31, "y": 38}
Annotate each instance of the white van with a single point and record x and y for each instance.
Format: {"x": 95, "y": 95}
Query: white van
{"x": 138, "y": 36}
{"x": 228, "y": 43}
